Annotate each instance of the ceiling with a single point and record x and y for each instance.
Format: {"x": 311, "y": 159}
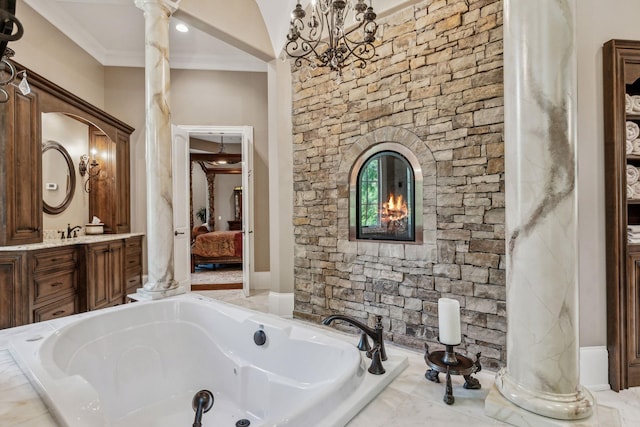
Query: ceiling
{"x": 112, "y": 31}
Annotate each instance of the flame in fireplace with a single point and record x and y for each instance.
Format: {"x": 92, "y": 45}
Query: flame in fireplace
{"x": 395, "y": 209}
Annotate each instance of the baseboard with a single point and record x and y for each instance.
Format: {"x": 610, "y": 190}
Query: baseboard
{"x": 281, "y": 304}
{"x": 594, "y": 368}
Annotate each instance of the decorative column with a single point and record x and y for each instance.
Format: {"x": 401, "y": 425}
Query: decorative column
{"x": 160, "y": 281}
{"x": 542, "y": 372}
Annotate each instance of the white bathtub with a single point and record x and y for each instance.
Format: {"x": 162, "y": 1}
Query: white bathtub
{"x": 141, "y": 364}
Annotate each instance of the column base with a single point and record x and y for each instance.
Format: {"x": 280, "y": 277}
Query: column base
{"x": 559, "y": 407}
{"x": 146, "y": 295}
{"x": 498, "y": 407}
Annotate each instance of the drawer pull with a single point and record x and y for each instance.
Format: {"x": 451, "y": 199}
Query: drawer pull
{"x": 54, "y": 285}
{"x": 58, "y": 313}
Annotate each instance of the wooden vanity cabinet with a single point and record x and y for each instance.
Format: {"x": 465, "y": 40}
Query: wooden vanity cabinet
{"x": 133, "y": 276}
{"x": 12, "y": 303}
{"x": 44, "y": 284}
{"x": 104, "y": 272}
{"x": 20, "y": 170}
{"x": 53, "y": 283}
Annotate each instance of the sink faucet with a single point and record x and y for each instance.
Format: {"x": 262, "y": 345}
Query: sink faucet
{"x": 378, "y": 352}
{"x": 72, "y": 230}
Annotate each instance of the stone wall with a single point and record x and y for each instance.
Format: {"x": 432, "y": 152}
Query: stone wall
{"x": 436, "y": 87}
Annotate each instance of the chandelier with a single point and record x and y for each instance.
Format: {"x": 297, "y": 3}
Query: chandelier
{"x": 323, "y": 41}
{"x": 7, "y": 70}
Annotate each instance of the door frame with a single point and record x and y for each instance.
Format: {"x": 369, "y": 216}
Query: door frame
{"x": 247, "y": 193}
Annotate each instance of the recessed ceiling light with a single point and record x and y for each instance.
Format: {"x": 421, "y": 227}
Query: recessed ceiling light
{"x": 182, "y": 28}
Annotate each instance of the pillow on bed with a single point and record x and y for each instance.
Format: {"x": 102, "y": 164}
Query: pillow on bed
{"x": 198, "y": 230}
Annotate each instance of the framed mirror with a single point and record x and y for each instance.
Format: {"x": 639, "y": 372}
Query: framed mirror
{"x": 58, "y": 178}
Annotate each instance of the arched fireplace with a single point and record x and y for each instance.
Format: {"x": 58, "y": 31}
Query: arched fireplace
{"x": 385, "y": 202}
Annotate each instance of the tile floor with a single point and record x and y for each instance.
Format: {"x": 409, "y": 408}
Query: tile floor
{"x": 412, "y": 400}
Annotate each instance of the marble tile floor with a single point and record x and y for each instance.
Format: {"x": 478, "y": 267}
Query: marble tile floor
{"x": 412, "y": 400}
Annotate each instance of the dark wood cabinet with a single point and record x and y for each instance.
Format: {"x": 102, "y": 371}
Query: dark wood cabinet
{"x": 20, "y": 170}
{"x": 105, "y": 274}
{"x": 12, "y": 302}
{"x": 21, "y": 160}
{"x": 45, "y": 284}
{"x": 133, "y": 276}
{"x": 53, "y": 283}
{"x": 123, "y": 184}
{"x": 621, "y": 73}
{"x": 109, "y": 195}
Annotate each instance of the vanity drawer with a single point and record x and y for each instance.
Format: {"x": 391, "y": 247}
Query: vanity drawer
{"x": 133, "y": 261}
{"x": 53, "y": 259}
{"x": 51, "y": 285}
{"x": 64, "y": 307}
{"x": 133, "y": 283}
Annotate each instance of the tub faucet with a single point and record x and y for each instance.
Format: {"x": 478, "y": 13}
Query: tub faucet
{"x": 72, "y": 230}
{"x": 201, "y": 403}
{"x": 378, "y": 352}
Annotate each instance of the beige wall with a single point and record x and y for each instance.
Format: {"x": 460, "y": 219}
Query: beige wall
{"x": 216, "y": 98}
{"x": 597, "y": 23}
{"x": 281, "y": 176}
{"x": 53, "y": 55}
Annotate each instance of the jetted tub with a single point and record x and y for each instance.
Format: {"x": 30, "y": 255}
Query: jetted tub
{"x": 141, "y": 364}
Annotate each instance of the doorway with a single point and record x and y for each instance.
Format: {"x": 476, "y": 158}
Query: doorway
{"x": 182, "y": 204}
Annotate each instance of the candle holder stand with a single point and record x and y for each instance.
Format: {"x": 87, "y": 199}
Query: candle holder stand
{"x": 449, "y": 362}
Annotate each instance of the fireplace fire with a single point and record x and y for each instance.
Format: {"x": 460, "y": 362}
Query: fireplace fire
{"x": 385, "y": 198}
{"x": 394, "y": 214}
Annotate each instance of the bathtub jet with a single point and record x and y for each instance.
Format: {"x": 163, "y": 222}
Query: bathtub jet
{"x": 135, "y": 365}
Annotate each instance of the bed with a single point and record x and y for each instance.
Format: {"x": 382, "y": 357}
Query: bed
{"x": 216, "y": 247}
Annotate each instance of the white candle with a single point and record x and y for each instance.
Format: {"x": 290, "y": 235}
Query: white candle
{"x": 449, "y": 321}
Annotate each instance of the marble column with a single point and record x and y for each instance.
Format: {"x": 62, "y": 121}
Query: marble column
{"x": 160, "y": 282}
{"x": 542, "y": 372}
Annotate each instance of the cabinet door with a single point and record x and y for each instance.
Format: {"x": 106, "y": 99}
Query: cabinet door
{"x": 633, "y": 320}
{"x": 98, "y": 276}
{"x": 105, "y": 274}
{"x": 102, "y": 201}
{"x": 21, "y": 181}
{"x": 116, "y": 261}
{"x": 11, "y": 298}
{"x": 122, "y": 184}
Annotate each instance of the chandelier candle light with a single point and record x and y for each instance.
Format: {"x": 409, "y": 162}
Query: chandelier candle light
{"x": 322, "y": 40}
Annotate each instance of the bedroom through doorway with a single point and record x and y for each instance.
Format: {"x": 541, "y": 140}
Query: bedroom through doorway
{"x": 219, "y": 203}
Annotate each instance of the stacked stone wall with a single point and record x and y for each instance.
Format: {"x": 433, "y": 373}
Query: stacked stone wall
{"x": 436, "y": 86}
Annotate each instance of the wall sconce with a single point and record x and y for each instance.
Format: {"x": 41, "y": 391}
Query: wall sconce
{"x": 82, "y": 166}
{"x": 93, "y": 172}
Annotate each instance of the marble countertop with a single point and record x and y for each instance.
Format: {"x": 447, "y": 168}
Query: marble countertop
{"x": 80, "y": 240}
{"x": 409, "y": 400}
